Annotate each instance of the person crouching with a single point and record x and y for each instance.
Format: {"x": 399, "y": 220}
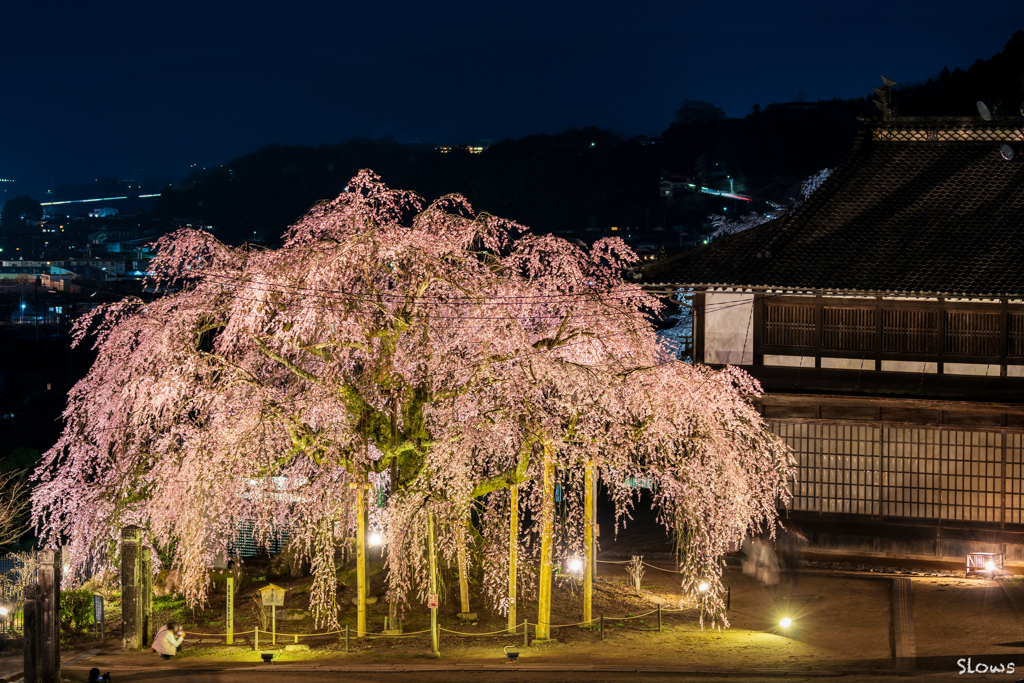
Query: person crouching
{"x": 168, "y": 639}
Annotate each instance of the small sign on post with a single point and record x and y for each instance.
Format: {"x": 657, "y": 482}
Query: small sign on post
{"x": 97, "y": 616}
{"x": 432, "y": 601}
{"x": 273, "y": 597}
{"x": 231, "y": 610}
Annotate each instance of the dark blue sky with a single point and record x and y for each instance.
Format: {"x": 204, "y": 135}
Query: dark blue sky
{"x": 104, "y": 88}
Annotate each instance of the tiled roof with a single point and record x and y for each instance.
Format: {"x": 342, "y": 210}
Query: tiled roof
{"x": 920, "y": 206}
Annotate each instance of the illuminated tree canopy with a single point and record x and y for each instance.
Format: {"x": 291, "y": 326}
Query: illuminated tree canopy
{"x": 435, "y": 356}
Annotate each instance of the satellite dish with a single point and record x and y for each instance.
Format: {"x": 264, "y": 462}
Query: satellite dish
{"x": 985, "y": 110}
{"x": 1006, "y": 152}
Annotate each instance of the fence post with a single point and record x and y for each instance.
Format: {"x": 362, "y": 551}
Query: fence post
{"x": 346, "y": 638}
{"x": 30, "y": 626}
{"x": 257, "y": 639}
{"x": 48, "y": 615}
{"x": 659, "y": 616}
{"x": 602, "y": 625}
{"x": 526, "y": 633}
{"x": 728, "y": 598}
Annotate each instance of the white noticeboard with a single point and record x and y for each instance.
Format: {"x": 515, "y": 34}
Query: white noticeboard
{"x": 432, "y": 601}
{"x": 273, "y": 596}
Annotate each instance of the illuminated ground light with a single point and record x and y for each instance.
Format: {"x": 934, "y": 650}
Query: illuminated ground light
{"x": 785, "y": 623}
{"x": 575, "y": 566}
{"x": 375, "y": 539}
{"x": 703, "y": 588}
{"x": 990, "y": 566}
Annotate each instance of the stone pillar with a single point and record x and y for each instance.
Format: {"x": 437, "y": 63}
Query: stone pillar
{"x": 131, "y": 594}
{"x": 146, "y": 602}
{"x": 30, "y": 649}
{"x": 48, "y": 612}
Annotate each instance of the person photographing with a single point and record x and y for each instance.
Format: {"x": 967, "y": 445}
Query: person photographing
{"x": 168, "y": 639}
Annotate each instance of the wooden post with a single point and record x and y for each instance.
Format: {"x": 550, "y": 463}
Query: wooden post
{"x": 346, "y": 638}
{"x": 146, "y": 597}
{"x": 513, "y": 555}
{"x": 30, "y": 626}
{"x": 602, "y": 626}
{"x": 257, "y": 639}
{"x": 547, "y": 527}
{"x": 526, "y": 633}
{"x": 588, "y": 542}
{"x": 659, "y": 616}
{"x": 48, "y": 613}
{"x": 360, "y": 560}
{"x": 460, "y": 541}
{"x": 273, "y": 624}
{"x": 230, "y": 586}
{"x": 131, "y": 607}
{"x": 433, "y": 581}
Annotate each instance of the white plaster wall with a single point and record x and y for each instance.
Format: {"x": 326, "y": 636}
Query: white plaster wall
{"x": 970, "y": 369}
{"x": 1015, "y": 370}
{"x": 729, "y": 328}
{"x": 909, "y": 366}
{"x": 848, "y": 363}
{"x": 789, "y": 361}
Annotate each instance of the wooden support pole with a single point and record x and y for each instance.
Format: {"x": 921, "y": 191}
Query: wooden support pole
{"x": 602, "y": 626}
{"x": 460, "y": 541}
{"x": 513, "y": 555}
{"x": 588, "y": 542}
{"x": 547, "y": 530}
{"x": 361, "y": 560}
{"x": 432, "y": 551}
{"x": 256, "y": 646}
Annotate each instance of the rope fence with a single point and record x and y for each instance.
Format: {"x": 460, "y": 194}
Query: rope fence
{"x": 519, "y": 629}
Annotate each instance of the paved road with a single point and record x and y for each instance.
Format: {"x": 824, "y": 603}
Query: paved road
{"x": 511, "y": 676}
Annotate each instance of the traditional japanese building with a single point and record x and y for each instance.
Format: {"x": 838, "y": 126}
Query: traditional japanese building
{"x": 884, "y": 319}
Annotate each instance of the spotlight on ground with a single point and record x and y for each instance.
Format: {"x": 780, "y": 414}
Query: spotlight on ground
{"x": 703, "y": 587}
{"x": 785, "y": 623}
{"x": 375, "y": 539}
{"x": 575, "y": 566}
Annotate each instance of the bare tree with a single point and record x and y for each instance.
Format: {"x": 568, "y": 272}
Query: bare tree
{"x": 13, "y": 506}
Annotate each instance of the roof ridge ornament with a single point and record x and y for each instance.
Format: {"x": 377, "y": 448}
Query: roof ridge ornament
{"x": 884, "y": 101}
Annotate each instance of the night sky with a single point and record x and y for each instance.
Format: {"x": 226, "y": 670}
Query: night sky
{"x": 146, "y": 89}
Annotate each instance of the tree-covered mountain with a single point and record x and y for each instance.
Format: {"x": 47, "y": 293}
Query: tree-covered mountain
{"x": 587, "y": 178}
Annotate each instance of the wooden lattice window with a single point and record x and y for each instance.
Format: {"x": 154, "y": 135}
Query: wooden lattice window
{"x": 970, "y": 332}
{"x": 788, "y": 325}
{"x": 910, "y": 331}
{"x": 1016, "y": 324}
{"x": 848, "y": 328}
